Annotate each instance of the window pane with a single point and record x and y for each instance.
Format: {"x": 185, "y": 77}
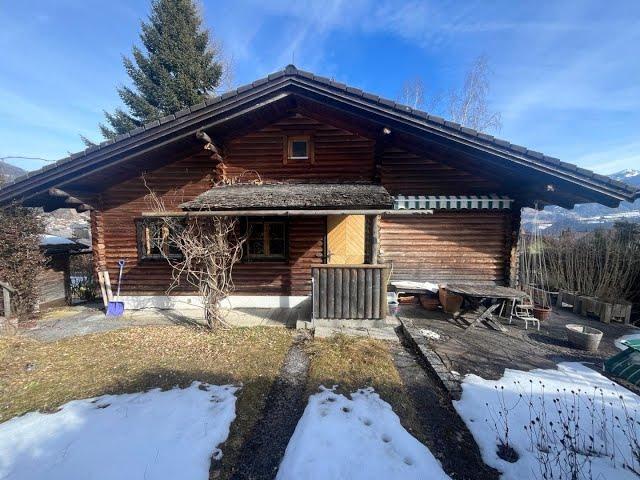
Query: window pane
{"x": 158, "y": 239}
{"x": 255, "y": 241}
{"x": 299, "y": 149}
{"x": 173, "y": 249}
{"x": 256, "y": 231}
{"x": 266, "y": 239}
{"x": 276, "y": 247}
{"x": 276, "y": 231}
{"x": 256, "y": 247}
{"x": 156, "y": 235}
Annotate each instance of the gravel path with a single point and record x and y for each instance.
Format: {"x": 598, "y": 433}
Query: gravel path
{"x": 92, "y": 320}
{"x": 264, "y": 449}
{"x": 446, "y": 434}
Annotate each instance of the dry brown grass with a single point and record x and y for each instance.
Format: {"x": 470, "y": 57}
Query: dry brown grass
{"x": 43, "y": 376}
{"x": 358, "y": 362}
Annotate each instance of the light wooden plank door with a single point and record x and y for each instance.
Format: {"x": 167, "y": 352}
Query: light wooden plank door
{"x": 345, "y": 239}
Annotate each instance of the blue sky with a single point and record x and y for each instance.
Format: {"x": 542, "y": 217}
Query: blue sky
{"x": 565, "y": 74}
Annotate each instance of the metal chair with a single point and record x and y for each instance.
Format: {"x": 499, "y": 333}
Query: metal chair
{"x": 522, "y": 309}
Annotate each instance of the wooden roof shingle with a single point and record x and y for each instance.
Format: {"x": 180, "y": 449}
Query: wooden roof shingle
{"x": 292, "y": 196}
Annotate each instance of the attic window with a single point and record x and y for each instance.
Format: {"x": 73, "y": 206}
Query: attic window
{"x": 298, "y": 147}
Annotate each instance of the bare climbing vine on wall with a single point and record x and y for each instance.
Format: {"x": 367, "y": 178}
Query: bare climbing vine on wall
{"x": 208, "y": 246}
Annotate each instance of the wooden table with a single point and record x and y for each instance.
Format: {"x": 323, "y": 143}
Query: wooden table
{"x": 401, "y": 286}
{"x": 478, "y": 295}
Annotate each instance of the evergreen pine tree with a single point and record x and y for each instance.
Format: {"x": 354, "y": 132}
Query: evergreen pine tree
{"x": 179, "y": 68}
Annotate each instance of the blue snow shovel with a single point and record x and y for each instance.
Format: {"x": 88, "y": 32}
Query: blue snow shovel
{"x": 116, "y": 308}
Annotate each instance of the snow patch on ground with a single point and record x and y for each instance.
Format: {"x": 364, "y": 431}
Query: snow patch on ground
{"x": 430, "y": 334}
{"x": 362, "y": 438}
{"x": 481, "y": 396}
{"x": 619, "y": 342}
{"x": 151, "y": 435}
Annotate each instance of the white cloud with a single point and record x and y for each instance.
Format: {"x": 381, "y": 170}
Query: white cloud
{"x": 612, "y": 159}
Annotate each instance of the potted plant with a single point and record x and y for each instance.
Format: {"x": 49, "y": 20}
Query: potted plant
{"x": 429, "y": 302}
{"x": 541, "y": 312}
{"x": 541, "y": 303}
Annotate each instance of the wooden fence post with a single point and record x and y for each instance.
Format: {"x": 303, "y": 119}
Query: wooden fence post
{"x": 375, "y": 239}
{"x": 6, "y": 298}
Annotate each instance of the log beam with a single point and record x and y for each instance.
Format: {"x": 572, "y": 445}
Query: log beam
{"x": 283, "y": 213}
{"x": 68, "y": 200}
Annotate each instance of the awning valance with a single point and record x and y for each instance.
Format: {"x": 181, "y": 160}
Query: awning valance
{"x": 451, "y": 202}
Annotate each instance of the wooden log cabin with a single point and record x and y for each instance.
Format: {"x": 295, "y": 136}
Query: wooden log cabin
{"x": 324, "y": 174}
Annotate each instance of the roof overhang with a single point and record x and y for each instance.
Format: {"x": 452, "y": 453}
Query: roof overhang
{"x": 564, "y": 184}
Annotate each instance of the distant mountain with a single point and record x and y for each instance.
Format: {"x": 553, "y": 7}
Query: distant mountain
{"x": 8, "y": 172}
{"x": 588, "y": 216}
{"x": 630, "y": 176}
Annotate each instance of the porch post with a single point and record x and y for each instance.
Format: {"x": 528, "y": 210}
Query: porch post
{"x": 513, "y": 276}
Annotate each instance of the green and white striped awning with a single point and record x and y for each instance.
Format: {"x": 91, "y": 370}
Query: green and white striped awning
{"x": 451, "y": 202}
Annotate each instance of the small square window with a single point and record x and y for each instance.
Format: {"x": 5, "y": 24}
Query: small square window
{"x": 299, "y": 147}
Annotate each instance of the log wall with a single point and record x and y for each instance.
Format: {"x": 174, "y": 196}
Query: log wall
{"x": 468, "y": 246}
{"x": 114, "y": 229}
{"x": 113, "y": 223}
{"x": 339, "y": 155}
{"x": 405, "y": 173}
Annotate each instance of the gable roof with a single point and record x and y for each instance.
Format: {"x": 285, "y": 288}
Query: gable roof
{"x": 232, "y": 104}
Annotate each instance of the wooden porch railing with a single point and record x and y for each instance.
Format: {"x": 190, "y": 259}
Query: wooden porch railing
{"x": 7, "y": 290}
{"x": 350, "y": 291}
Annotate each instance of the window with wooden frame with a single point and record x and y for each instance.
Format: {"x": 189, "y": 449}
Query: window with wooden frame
{"x": 266, "y": 239}
{"x": 298, "y": 148}
{"x": 154, "y": 240}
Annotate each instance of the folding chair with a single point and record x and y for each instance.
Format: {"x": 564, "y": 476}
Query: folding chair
{"x": 522, "y": 309}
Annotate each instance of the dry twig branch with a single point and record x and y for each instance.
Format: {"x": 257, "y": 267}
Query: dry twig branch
{"x": 201, "y": 252}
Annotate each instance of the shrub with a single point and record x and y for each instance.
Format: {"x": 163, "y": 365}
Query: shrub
{"x": 603, "y": 263}
{"x": 21, "y": 261}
